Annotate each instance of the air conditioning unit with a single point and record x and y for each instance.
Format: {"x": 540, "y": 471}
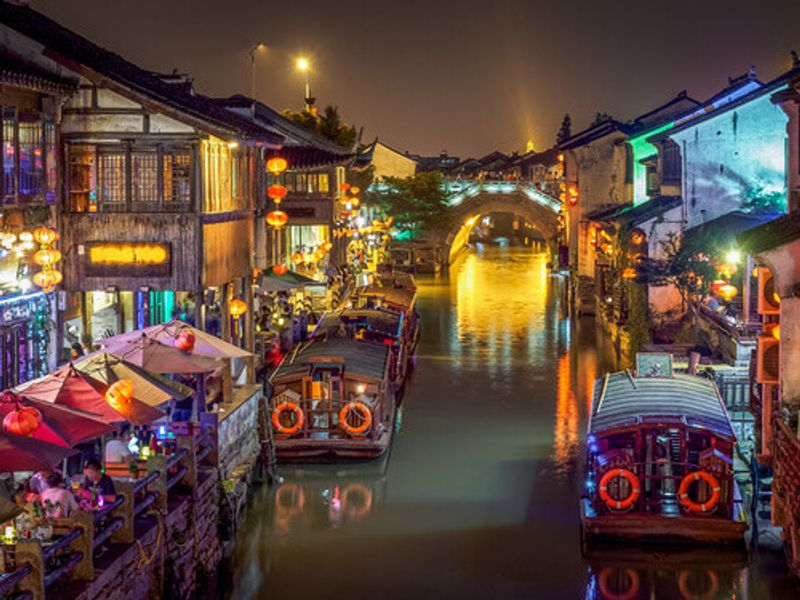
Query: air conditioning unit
{"x": 768, "y": 301}
{"x": 768, "y": 364}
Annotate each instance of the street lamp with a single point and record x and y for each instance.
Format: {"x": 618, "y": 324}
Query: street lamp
{"x": 304, "y": 66}
{"x": 256, "y": 48}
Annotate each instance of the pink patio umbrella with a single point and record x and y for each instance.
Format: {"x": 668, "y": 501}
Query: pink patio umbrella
{"x": 59, "y": 425}
{"x": 76, "y": 390}
{"x": 152, "y": 355}
{"x": 205, "y": 344}
{"x": 20, "y": 453}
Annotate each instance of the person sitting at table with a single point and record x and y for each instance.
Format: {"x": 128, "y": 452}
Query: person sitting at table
{"x": 117, "y": 450}
{"x": 58, "y": 502}
{"x": 98, "y": 483}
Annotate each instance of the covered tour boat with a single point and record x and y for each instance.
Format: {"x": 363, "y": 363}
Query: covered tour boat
{"x": 395, "y": 292}
{"x": 660, "y": 459}
{"x": 334, "y": 395}
{"x": 375, "y": 325}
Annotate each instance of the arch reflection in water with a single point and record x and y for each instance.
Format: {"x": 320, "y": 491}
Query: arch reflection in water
{"x": 497, "y": 305}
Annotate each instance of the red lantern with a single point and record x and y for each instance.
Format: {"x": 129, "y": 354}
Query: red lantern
{"x": 277, "y": 192}
{"x": 629, "y": 273}
{"x": 280, "y": 269}
{"x": 297, "y": 257}
{"x": 185, "y": 341}
{"x": 277, "y": 165}
{"x": 277, "y": 218}
{"x": 23, "y": 420}
{"x": 327, "y": 246}
{"x": 119, "y": 395}
{"x": 345, "y": 186}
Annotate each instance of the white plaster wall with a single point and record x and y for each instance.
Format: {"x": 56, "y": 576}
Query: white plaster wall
{"x": 102, "y": 122}
{"x": 163, "y": 124}
{"x": 728, "y": 156}
{"x": 389, "y": 163}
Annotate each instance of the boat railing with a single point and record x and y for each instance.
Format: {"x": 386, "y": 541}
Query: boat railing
{"x": 659, "y": 490}
{"x": 323, "y": 417}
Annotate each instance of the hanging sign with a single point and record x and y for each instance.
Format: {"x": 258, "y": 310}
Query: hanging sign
{"x": 128, "y": 259}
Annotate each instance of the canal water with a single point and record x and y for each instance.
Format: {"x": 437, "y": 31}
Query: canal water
{"x": 478, "y": 497}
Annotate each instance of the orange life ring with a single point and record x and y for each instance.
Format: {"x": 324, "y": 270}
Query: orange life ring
{"x": 299, "y": 418}
{"x": 683, "y": 587}
{"x": 608, "y": 594}
{"x": 632, "y": 497}
{"x": 351, "y": 508}
{"x": 363, "y": 412}
{"x": 296, "y": 500}
{"x": 692, "y": 506}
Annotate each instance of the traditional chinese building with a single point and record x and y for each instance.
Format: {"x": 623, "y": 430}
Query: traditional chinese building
{"x": 30, "y": 100}
{"x": 315, "y": 173}
{"x": 157, "y": 206}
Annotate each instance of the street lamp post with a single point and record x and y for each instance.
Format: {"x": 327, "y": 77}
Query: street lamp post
{"x": 253, "y": 50}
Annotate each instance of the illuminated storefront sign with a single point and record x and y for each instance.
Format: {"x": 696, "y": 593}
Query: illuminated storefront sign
{"x": 128, "y": 259}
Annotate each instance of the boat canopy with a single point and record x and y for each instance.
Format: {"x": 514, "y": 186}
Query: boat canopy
{"x": 397, "y": 296}
{"x": 359, "y": 358}
{"x": 383, "y": 322}
{"x": 622, "y": 400}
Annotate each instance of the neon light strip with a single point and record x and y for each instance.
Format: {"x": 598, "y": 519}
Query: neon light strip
{"x": 23, "y": 298}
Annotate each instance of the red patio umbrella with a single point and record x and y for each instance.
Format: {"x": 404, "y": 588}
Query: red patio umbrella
{"x": 74, "y": 389}
{"x": 152, "y": 355}
{"x": 19, "y": 453}
{"x": 60, "y": 425}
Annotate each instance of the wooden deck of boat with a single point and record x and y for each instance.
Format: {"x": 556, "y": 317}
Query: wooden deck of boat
{"x": 708, "y": 529}
{"x": 289, "y": 449}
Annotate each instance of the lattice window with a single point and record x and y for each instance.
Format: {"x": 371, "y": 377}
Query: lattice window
{"x": 177, "y": 178}
{"x": 144, "y": 177}
{"x": 112, "y": 178}
{"x": 10, "y": 153}
{"x": 31, "y": 158}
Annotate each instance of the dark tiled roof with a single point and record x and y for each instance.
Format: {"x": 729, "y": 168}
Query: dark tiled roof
{"x": 771, "y": 235}
{"x": 383, "y": 322}
{"x": 80, "y": 55}
{"x": 624, "y": 401}
{"x": 367, "y": 359}
{"x": 725, "y": 229}
{"x": 635, "y": 215}
{"x": 595, "y": 132}
{"x": 15, "y": 73}
{"x": 294, "y": 134}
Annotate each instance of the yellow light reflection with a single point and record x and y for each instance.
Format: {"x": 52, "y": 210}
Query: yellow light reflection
{"x": 565, "y": 433}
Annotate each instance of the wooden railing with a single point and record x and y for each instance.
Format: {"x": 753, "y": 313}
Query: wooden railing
{"x": 71, "y": 557}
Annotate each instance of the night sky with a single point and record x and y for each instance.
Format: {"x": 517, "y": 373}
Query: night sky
{"x": 464, "y": 76}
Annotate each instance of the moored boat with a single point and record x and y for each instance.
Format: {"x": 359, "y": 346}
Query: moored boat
{"x": 395, "y": 292}
{"x": 333, "y": 395}
{"x": 660, "y": 459}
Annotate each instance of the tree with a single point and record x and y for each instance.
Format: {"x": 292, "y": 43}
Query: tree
{"x": 565, "y": 131}
{"x": 329, "y": 125}
{"x": 418, "y": 203}
{"x": 600, "y": 117}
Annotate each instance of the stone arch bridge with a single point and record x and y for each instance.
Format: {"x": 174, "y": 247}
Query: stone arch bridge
{"x": 471, "y": 199}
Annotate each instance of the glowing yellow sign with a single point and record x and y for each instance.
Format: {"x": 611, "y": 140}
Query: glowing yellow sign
{"x": 129, "y": 254}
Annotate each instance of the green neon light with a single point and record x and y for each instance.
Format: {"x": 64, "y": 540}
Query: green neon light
{"x": 641, "y": 149}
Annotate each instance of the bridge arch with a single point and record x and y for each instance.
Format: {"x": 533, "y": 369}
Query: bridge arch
{"x": 519, "y": 199}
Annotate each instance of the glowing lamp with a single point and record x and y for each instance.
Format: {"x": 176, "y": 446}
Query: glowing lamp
{"x": 560, "y": 157}
{"x": 607, "y": 249}
{"x": 629, "y": 273}
{"x": 277, "y": 218}
{"x": 277, "y": 165}
{"x": 44, "y": 235}
{"x": 354, "y": 201}
{"x": 354, "y": 190}
{"x": 277, "y": 192}
{"x": 297, "y": 257}
{"x": 47, "y": 257}
{"x": 327, "y": 246}
{"x": 727, "y": 269}
{"x": 185, "y": 341}
{"x": 774, "y": 330}
{"x": 728, "y": 291}
{"x": 734, "y": 256}
{"x": 26, "y": 236}
{"x": 47, "y": 280}
{"x": 119, "y": 395}
{"x": 562, "y": 186}
{"x": 345, "y": 186}
{"x": 344, "y": 200}
{"x": 23, "y": 420}
{"x": 562, "y": 196}
{"x": 637, "y": 238}
{"x": 238, "y": 308}
{"x": 716, "y": 284}
{"x": 280, "y": 269}
{"x": 776, "y": 298}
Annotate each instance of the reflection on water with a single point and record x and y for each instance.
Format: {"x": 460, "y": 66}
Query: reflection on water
{"x": 479, "y": 496}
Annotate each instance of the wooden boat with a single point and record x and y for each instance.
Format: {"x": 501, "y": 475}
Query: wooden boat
{"x": 660, "y": 459}
{"x": 372, "y": 324}
{"x": 395, "y": 292}
{"x": 334, "y": 395}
